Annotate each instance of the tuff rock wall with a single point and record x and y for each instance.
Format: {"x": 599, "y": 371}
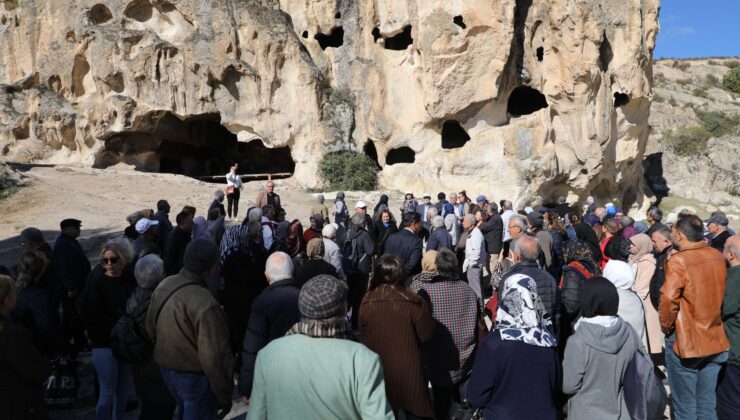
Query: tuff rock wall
{"x": 102, "y": 82}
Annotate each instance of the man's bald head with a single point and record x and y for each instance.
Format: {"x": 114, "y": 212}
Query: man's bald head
{"x": 732, "y": 250}
{"x": 526, "y": 248}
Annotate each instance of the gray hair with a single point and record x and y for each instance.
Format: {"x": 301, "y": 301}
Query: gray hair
{"x": 253, "y": 231}
{"x": 320, "y": 198}
{"x": 438, "y": 221}
{"x": 507, "y": 205}
{"x": 219, "y": 193}
{"x": 626, "y": 221}
{"x": 279, "y": 266}
{"x": 255, "y": 215}
{"x": 655, "y": 213}
{"x": 470, "y": 218}
{"x": 526, "y": 247}
{"x": 432, "y": 212}
{"x": 149, "y": 271}
{"x": 358, "y": 219}
{"x": 520, "y": 221}
{"x": 125, "y": 244}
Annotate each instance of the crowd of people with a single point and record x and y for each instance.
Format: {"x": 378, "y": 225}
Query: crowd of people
{"x": 378, "y": 316}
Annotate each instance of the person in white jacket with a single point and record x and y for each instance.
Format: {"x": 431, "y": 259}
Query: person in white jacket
{"x": 233, "y": 187}
{"x": 475, "y": 254}
{"x": 619, "y": 272}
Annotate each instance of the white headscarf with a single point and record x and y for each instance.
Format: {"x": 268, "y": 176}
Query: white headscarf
{"x": 521, "y": 316}
{"x": 620, "y": 274}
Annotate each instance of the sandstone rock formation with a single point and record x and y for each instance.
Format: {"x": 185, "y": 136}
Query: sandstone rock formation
{"x": 527, "y": 99}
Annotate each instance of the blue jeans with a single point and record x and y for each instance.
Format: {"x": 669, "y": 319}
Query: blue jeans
{"x": 115, "y": 383}
{"x": 693, "y": 383}
{"x": 195, "y": 400}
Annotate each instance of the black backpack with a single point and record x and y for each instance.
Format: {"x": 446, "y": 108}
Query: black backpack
{"x": 128, "y": 342}
{"x": 350, "y": 258}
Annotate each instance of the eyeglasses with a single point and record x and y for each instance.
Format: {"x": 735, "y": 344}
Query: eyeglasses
{"x": 515, "y": 227}
{"x": 112, "y": 260}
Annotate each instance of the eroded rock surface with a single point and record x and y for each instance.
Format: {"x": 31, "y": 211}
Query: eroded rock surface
{"x": 527, "y": 99}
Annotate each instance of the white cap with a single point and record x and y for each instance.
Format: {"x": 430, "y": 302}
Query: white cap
{"x": 360, "y": 205}
{"x": 528, "y": 210}
{"x": 329, "y": 230}
{"x": 144, "y": 224}
{"x": 426, "y": 195}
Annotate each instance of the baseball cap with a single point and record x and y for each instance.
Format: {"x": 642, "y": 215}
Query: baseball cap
{"x": 144, "y": 224}
{"x": 718, "y": 219}
{"x": 329, "y": 230}
{"x": 360, "y": 205}
{"x": 481, "y": 198}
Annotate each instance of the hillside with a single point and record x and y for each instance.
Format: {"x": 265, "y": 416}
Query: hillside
{"x": 695, "y": 133}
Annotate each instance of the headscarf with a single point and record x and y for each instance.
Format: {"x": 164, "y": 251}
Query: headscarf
{"x": 598, "y": 297}
{"x": 644, "y": 246}
{"x": 200, "y": 228}
{"x": 521, "y": 316}
{"x": 339, "y": 197}
{"x": 428, "y": 262}
{"x": 620, "y": 274}
{"x": 315, "y": 249}
{"x": 586, "y": 233}
{"x": 232, "y": 241}
{"x": 383, "y": 201}
{"x": 578, "y": 251}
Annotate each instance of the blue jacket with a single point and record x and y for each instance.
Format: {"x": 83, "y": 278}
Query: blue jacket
{"x": 439, "y": 239}
{"x": 72, "y": 265}
{"x": 273, "y": 313}
{"x": 407, "y": 246}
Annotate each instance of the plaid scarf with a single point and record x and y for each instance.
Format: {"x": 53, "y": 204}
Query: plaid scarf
{"x": 336, "y": 327}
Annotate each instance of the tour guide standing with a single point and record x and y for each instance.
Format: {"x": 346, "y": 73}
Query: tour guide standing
{"x": 192, "y": 336}
{"x": 233, "y": 186}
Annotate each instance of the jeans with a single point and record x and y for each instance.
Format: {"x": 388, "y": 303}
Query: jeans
{"x": 728, "y": 393}
{"x": 195, "y": 400}
{"x": 232, "y": 202}
{"x": 693, "y": 382}
{"x": 115, "y": 383}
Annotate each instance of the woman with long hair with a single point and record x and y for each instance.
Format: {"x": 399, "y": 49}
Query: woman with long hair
{"x": 102, "y": 303}
{"x": 394, "y": 322}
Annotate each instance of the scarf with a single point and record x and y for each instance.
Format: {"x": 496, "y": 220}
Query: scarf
{"x": 428, "y": 261}
{"x": 598, "y": 296}
{"x": 521, "y": 316}
{"x": 200, "y": 228}
{"x": 620, "y": 274}
{"x": 232, "y": 241}
{"x": 336, "y": 327}
{"x": 578, "y": 251}
{"x": 586, "y": 233}
{"x": 644, "y": 247}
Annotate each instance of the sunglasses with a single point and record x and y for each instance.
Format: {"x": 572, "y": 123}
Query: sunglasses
{"x": 112, "y": 260}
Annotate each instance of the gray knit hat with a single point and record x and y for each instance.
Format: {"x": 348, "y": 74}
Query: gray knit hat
{"x": 322, "y": 297}
{"x": 200, "y": 255}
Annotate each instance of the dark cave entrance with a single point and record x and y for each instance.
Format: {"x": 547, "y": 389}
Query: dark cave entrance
{"x": 525, "y": 100}
{"x": 371, "y": 152}
{"x": 453, "y": 135}
{"x": 620, "y": 99}
{"x": 197, "y": 147}
{"x": 398, "y": 42}
{"x": 400, "y": 155}
{"x": 334, "y": 39}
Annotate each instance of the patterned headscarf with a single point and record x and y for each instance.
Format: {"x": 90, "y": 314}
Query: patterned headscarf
{"x": 581, "y": 252}
{"x": 315, "y": 249}
{"x": 232, "y": 241}
{"x": 521, "y": 316}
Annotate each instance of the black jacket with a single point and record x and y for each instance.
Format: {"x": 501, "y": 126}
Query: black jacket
{"x": 407, "y": 246}
{"x": 174, "y": 250}
{"x": 659, "y": 276}
{"x": 36, "y": 310}
{"x": 215, "y": 204}
{"x": 718, "y": 242}
{"x": 365, "y": 249}
{"x": 72, "y": 264}
{"x": 102, "y": 303}
{"x": 23, "y": 371}
{"x": 439, "y": 239}
{"x": 273, "y": 313}
{"x": 493, "y": 233}
{"x": 547, "y": 287}
{"x": 383, "y": 233}
{"x": 312, "y": 268}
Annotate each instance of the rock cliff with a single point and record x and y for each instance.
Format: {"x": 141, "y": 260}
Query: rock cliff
{"x": 527, "y": 99}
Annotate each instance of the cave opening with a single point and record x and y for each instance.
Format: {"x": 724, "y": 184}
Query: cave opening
{"x": 398, "y": 42}
{"x": 371, "y": 152}
{"x": 620, "y": 99}
{"x": 525, "y": 100}
{"x": 605, "y": 54}
{"x": 540, "y": 53}
{"x": 400, "y": 155}
{"x": 453, "y": 135}
{"x": 305, "y": 34}
{"x": 335, "y": 39}
{"x": 337, "y": 15}
{"x": 458, "y": 20}
{"x": 197, "y": 146}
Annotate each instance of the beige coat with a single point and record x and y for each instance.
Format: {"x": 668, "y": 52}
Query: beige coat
{"x": 643, "y": 264}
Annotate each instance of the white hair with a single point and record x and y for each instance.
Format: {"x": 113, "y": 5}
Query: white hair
{"x": 255, "y": 215}
{"x": 520, "y": 221}
{"x": 279, "y": 266}
{"x": 149, "y": 271}
{"x": 438, "y": 221}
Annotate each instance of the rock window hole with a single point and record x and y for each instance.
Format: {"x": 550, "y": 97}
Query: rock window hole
{"x": 453, "y": 135}
{"x": 458, "y": 20}
{"x": 305, "y": 34}
{"x": 398, "y": 42}
{"x": 400, "y": 155}
{"x": 335, "y": 39}
{"x": 525, "y": 100}
{"x": 605, "y": 54}
{"x": 337, "y": 15}
{"x": 620, "y": 99}
{"x": 369, "y": 150}
{"x": 540, "y": 53}
{"x": 99, "y": 14}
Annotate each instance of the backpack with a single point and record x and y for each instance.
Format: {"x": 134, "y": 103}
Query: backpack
{"x": 351, "y": 258}
{"x": 644, "y": 393}
{"x": 341, "y": 217}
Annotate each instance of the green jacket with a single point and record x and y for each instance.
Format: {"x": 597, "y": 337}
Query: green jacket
{"x": 731, "y": 313}
{"x": 300, "y": 377}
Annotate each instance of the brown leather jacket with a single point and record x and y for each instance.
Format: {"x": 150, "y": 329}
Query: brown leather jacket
{"x": 691, "y": 301}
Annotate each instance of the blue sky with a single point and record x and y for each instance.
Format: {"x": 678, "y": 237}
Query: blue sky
{"x": 691, "y": 28}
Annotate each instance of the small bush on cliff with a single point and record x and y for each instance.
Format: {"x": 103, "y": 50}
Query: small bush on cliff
{"x": 731, "y": 81}
{"x": 348, "y": 170}
{"x": 687, "y": 141}
{"x": 9, "y": 182}
{"x": 717, "y": 123}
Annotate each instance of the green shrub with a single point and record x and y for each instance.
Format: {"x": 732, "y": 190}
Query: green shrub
{"x": 713, "y": 62}
{"x": 684, "y": 82}
{"x": 681, "y": 66}
{"x": 731, "y": 81}
{"x": 717, "y": 123}
{"x": 659, "y": 78}
{"x": 672, "y": 102}
{"x": 732, "y": 64}
{"x": 9, "y": 182}
{"x": 348, "y": 170}
{"x": 711, "y": 80}
{"x": 658, "y": 98}
{"x": 689, "y": 105}
{"x": 687, "y": 141}
{"x": 700, "y": 92}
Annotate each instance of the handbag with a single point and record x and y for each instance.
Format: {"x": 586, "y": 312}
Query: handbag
{"x": 230, "y": 190}
{"x": 60, "y": 389}
{"x": 464, "y": 411}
